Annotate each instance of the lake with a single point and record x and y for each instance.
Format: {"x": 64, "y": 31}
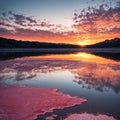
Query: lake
{"x": 92, "y": 76}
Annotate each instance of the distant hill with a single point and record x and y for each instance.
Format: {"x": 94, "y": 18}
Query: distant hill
{"x": 113, "y": 43}
{"x": 11, "y": 43}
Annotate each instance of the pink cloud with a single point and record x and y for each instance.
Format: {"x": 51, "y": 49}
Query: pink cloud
{"x": 98, "y": 20}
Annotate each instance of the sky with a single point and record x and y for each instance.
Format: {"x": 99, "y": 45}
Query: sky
{"x": 60, "y": 21}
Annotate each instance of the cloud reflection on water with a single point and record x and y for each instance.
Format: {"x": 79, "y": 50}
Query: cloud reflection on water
{"x": 96, "y": 72}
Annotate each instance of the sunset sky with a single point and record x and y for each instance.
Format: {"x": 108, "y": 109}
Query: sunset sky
{"x": 60, "y": 21}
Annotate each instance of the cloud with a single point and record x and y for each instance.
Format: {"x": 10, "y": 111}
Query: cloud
{"x": 3, "y": 31}
{"x": 91, "y": 25}
{"x": 19, "y": 26}
{"x": 31, "y": 20}
{"x": 4, "y": 23}
{"x": 22, "y": 21}
{"x": 10, "y": 12}
{"x": 97, "y": 20}
{"x": 4, "y": 14}
{"x": 19, "y": 19}
{"x": 115, "y": 30}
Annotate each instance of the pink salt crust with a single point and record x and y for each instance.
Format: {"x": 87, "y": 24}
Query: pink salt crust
{"x": 87, "y": 116}
{"x": 25, "y": 103}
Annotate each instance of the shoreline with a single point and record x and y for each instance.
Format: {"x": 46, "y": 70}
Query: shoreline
{"x": 61, "y": 50}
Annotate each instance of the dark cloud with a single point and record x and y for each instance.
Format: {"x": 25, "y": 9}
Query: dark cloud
{"x": 19, "y": 19}
{"x": 29, "y": 24}
{"x": 31, "y": 20}
{"x": 3, "y": 23}
{"x": 25, "y": 21}
{"x": 4, "y": 31}
{"x": 115, "y": 30}
{"x": 10, "y": 12}
{"x": 4, "y": 14}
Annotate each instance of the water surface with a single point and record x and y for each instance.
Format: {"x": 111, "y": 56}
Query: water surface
{"x": 95, "y": 77}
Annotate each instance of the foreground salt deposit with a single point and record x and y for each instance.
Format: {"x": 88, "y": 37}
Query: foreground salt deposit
{"x": 18, "y": 103}
{"x": 88, "y": 116}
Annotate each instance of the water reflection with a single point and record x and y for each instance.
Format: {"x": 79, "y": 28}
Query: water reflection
{"x": 100, "y": 76}
{"x": 83, "y": 74}
{"x": 88, "y": 70}
{"x": 112, "y": 54}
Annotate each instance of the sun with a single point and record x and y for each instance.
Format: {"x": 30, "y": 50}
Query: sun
{"x": 82, "y": 46}
{"x": 84, "y": 43}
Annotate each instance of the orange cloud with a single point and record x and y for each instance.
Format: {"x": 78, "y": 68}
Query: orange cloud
{"x": 96, "y": 24}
